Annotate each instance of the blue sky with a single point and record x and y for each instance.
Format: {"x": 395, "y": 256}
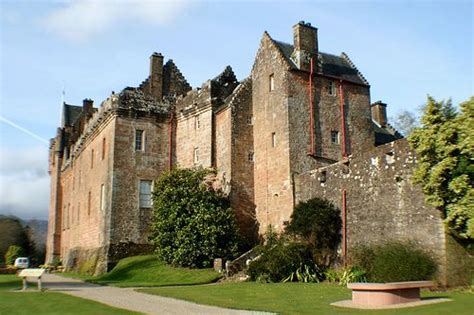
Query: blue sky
{"x": 405, "y": 49}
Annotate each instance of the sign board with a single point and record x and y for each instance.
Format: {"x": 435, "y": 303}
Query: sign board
{"x": 31, "y": 273}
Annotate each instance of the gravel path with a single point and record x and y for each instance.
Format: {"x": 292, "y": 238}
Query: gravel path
{"x": 129, "y": 299}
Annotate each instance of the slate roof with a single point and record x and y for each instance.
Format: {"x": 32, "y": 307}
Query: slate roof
{"x": 385, "y": 134}
{"x": 70, "y": 114}
{"x": 328, "y": 64}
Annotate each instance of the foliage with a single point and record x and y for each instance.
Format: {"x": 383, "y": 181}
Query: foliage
{"x": 406, "y": 122}
{"x": 192, "y": 221}
{"x": 306, "y": 274}
{"x": 318, "y": 222}
{"x": 13, "y": 233}
{"x": 445, "y": 153}
{"x": 149, "y": 270}
{"x": 346, "y": 275}
{"x": 12, "y": 253}
{"x": 394, "y": 261}
{"x": 278, "y": 261}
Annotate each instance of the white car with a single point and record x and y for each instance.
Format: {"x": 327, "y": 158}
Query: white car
{"x": 22, "y": 262}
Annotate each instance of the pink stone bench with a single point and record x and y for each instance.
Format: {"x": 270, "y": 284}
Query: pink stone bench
{"x": 379, "y": 294}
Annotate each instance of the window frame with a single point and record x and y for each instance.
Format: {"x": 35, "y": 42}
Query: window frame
{"x": 271, "y": 82}
{"x": 338, "y": 137}
{"x": 145, "y": 204}
{"x": 142, "y": 140}
{"x": 196, "y": 155}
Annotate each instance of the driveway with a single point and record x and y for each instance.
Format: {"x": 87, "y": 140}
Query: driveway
{"x": 128, "y": 298}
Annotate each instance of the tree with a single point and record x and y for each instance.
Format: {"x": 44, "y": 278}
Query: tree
{"x": 13, "y": 233}
{"x": 192, "y": 220}
{"x": 445, "y": 153}
{"x": 405, "y": 122}
{"x": 319, "y": 223}
{"x": 13, "y": 253}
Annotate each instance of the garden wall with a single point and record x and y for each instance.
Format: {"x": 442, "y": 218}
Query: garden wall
{"x": 382, "y": 203}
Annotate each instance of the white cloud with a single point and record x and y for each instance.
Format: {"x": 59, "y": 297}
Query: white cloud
{"x": 81, "y": 19}
{"x": 24, "y": 182}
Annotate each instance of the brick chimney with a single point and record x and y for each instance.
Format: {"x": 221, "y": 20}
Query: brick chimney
{"x": 379, "y": 113}
{"x": 156, "y": 76}
{"x": 87, "y": 106}
{"x": 305, "y": 40}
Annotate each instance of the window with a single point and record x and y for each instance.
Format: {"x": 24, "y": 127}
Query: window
{"x": 92, "y": 158}
{"x": 196, "y": 155}
{"x": 197, "y": 122}
{"x": 274, "y": 140}
{"x": 249, "y": 120}
{"x": 335, "y": 137}
{"x": 103, "y": 148}
{"x": 139, "y": 140}
{"x": 332, "y": 88}
{"x": 145, "y": 194}
{"x": 89, "y": 201}
{"x": 271, "y": 82}
{"x": 102, "y": 197}
{"x": 250, "y": 156}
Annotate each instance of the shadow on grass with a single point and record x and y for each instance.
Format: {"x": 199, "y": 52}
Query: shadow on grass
{"x": 10, "y": 284}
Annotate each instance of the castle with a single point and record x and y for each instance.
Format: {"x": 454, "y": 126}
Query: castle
{"x": 300, "y": 125}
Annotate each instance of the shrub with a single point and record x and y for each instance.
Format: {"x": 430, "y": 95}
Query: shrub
{"x": 318, "y": 222}
{"x": 13, "y": 252}
{"x": 346, "y": 275}
{"x": 192, "y": 220}
{"x": 279, "y": 261}
{"x": 394, "y": 261}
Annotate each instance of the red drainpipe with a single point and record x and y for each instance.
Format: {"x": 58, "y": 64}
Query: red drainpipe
{"x": 311, "y": 110}
{"x": 170, "y": 141}
{"x": 344, "y": 229}
{"x": 343, "y": 121}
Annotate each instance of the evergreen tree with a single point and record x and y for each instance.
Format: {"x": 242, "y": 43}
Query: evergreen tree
{"x": 445, "y": 153}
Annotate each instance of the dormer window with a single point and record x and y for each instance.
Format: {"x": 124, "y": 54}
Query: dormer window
{"x": 332, "y": 88}
{"x": 271, "y": 82}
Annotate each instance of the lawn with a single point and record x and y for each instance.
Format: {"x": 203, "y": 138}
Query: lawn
{"x": 148, "y": 271}
{"x": 301, "y": 298}
{"x": 39, "y": 303}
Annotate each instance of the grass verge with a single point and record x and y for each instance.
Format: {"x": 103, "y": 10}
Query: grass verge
{"x": 40, "y": 303}
{"x": 149, "y": 271}
{"x": 302, "y": 298}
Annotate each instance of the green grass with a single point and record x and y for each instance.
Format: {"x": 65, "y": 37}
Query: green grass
{"x": 148, "y": 271}
{"x": 39, "y": 303}
{"x": 302, "y": 298}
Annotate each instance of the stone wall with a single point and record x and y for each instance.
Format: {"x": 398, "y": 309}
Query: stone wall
{"x": 273, "y": 194}
{"x": 242, "y": 164}
{"x": 381, "y": 201}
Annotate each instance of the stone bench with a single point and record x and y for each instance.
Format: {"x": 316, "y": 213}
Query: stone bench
{"x": 33, "y": 273}
{"x": 380, "y": 294}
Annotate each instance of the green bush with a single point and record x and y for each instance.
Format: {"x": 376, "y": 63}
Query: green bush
{"x": 277, "y": 262}
{"x": 318, "y": 222}
{"x": 12, "y": 253}
{"x": 192, "y": 220}
{"x": 394, "y": 261}
{"x": 346, "y": 275}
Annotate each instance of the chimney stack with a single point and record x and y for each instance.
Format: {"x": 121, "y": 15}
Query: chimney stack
{"x": 156, "y": 76}
{"x": 379, "y": 113}
{"x": 305, "y": 40}
{"x": 87, "y": 106}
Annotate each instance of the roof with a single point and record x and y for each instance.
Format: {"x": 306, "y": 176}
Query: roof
{"x": 328, "y": 64}
{"x": 385, "y": 134}
{"x": 70, "y": 114}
